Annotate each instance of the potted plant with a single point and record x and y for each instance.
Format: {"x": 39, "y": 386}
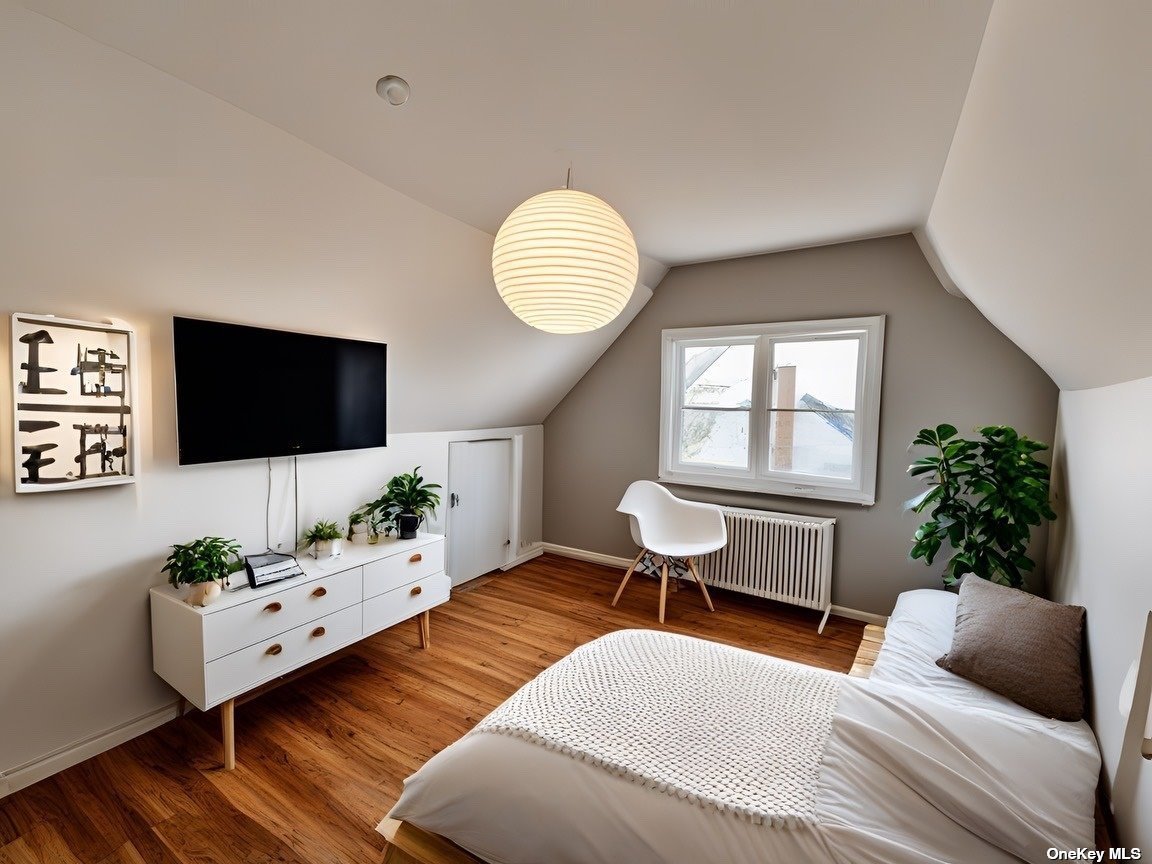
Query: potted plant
{"x": 203, "y": 564}
{"x": 373, "y": 528}
{"x": 375, "y": 514}
{"x": 412, "y": 500}
{"x": 326, "y": 539}
{"x": 985, "y": 497}
{"x": 356, "y": 517}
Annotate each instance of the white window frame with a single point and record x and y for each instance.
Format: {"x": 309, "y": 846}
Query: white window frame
{"x": 758, "y": 477}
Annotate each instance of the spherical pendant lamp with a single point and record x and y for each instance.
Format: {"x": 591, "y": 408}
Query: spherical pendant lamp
{"x": 565, "y": 262}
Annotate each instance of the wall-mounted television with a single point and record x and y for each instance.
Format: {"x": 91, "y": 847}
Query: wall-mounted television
{"x": 249, "y": 393}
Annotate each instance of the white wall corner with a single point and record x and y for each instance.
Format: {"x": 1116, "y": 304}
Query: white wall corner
{"x": 929, "y": 250}
{"x": 652, "y": 272}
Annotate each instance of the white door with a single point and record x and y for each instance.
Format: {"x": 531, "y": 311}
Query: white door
{"x": 479, "y": 507}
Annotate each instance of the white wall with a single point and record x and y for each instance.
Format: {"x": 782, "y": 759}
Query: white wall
{"x": 1041, "y": 218}
{"x": 129, "y": 194}
{"x": 1101, "y": 559}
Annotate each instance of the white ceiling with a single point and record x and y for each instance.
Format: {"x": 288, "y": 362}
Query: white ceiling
{"x": 717, "y": 129}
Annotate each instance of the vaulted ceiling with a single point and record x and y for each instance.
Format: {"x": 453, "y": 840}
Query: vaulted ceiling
{"x": 732, "y": 129}
{"x": 716, "y": 129}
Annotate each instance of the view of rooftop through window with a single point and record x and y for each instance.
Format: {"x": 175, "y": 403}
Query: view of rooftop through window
{"x": 813, "y": 390}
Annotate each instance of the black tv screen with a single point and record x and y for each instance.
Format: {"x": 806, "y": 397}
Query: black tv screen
{"x": 249, "y": 393}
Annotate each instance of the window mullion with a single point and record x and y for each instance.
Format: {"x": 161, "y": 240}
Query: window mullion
{"x": 761, "y": 403}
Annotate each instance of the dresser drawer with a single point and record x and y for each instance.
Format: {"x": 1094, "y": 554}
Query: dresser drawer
{"x": 236, "y": 627}
{"x": 396, "y": 570}
{"x": 249, "y": 667}
{"x": 398, "y": 604}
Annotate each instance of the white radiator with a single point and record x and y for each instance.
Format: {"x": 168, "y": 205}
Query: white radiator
{"x": 780, "y": 556}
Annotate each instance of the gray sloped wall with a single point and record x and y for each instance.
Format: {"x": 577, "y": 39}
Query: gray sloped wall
{"x": 944, "y": 362}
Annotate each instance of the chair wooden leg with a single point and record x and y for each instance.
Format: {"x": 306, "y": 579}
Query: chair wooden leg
{"x": 700, "y": 582}
{"x": 663, "y": 589}
{"x": 627, "y": 576}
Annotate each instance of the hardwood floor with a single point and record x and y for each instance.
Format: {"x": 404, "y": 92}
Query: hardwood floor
{"x": 320, "y": 758}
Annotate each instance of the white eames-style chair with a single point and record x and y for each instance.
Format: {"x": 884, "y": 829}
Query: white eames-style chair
{"x": 665, "y": 525}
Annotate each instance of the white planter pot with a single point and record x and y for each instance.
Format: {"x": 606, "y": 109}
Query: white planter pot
{"x": 337, "y": 548}
{"x": 204, "y": 593}
{"x": 322, "y": 549}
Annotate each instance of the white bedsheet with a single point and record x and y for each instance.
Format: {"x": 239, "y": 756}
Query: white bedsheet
{"x": 918, "y": 768}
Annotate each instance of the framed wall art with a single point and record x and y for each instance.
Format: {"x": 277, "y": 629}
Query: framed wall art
{"x": 74, "y": 394}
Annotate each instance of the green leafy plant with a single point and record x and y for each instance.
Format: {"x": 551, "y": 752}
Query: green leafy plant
{"x": 409, "y": 494}
{"x": 377, "y": 512}
{"x": 321, "y": 531}
{"x": 356, "y": 517}
{"x": 985, "y": 497}
{"x": 208, "y": 559}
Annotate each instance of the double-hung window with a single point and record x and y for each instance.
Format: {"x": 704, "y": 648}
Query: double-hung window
{"x": 786, "y": 409}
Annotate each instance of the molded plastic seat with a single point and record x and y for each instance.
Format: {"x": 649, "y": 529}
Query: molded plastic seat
{"x": 669, "y": 526}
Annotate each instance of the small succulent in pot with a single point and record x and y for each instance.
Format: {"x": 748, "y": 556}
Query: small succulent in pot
{"x": 203, "y": 564}
{"x": 325, "y": 538}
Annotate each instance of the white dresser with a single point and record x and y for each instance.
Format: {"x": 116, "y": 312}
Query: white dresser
{"x": 249, "y": 637}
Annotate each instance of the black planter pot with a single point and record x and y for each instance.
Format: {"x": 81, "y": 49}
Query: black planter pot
{"x": 408, "y": 523}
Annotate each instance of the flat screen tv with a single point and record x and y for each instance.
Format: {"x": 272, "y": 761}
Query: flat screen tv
{"x": 249, "y": 393}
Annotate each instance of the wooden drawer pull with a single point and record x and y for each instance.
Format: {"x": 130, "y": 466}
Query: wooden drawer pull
{"x": 318, "y": 632}
{"x": 415, "y": 590}
{"x": 273, "y": 650}
{"x": 320, "y": 592}
{"x": 274, "y": 607}
{"x": 415, "y": 558}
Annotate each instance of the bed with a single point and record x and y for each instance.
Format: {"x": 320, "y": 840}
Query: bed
{"x": 726, "y": 755}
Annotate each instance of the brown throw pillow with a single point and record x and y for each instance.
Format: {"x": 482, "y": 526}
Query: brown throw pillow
{"x": 1020, "y": 646}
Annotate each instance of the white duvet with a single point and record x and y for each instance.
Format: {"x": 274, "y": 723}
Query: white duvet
{"x": 920, "y": 766}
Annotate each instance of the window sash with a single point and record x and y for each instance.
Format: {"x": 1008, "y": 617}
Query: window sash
{"x": 765, "y": 468}
{"x": 759, "y": 476}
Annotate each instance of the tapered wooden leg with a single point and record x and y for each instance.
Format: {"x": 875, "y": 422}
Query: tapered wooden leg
{"x": 181, "y": 706}
{"x": 228, "y": 730}
{"x": 700, "y": 582}
{"x": 663, "y": 589}
{"x": 424, "y": 625}
{"x": 627, "y": 576}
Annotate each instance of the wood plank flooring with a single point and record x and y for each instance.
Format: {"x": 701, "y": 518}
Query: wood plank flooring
{"x": 321, "y": 758}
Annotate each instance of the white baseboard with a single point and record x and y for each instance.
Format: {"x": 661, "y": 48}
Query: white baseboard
{"x": 72, "y": 754}
{"x": 625, "y": 563}
{"x": 857, "y": 615}
{"x": 585, "y": 555}
{"x": 527, "y": 555}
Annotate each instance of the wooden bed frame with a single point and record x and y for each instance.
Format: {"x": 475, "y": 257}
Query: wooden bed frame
{"x": 408, "y": 844}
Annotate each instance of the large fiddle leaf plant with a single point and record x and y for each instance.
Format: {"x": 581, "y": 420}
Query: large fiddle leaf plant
{"x": 984, "y": 498}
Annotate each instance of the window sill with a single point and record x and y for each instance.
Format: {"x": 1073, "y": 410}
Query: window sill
{"x": 770, "y": 487}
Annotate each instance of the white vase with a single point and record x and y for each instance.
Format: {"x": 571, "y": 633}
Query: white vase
{"x": 337, "y": 548}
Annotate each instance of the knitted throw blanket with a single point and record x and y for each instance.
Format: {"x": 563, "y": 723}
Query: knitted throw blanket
{"x": 721, "y": 727}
